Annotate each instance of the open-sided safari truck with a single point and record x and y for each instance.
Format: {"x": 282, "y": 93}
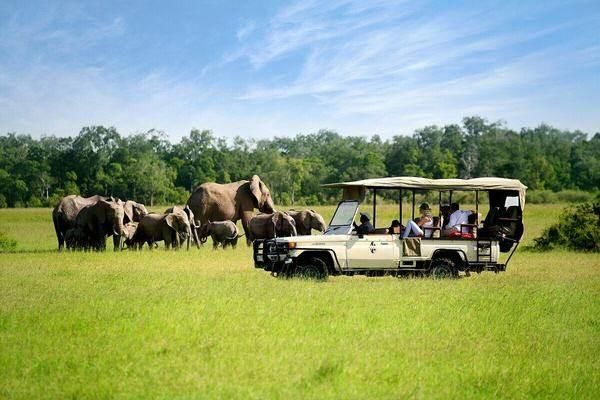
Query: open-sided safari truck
{"x": 340, "y": 250}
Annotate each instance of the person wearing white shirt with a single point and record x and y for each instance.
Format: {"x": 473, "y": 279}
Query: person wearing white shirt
{"x": 456, "y": 219}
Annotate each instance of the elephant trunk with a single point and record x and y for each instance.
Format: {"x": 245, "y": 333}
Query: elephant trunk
{"x": 294, "y": 232}
{"x": 119, "y": 231}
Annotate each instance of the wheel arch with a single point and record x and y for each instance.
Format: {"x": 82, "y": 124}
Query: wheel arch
{"x": 457, "y": 256}
{"x": 325, "y": 255}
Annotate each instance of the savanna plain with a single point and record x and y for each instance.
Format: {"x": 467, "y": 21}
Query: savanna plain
{"x": 206, "y": 324}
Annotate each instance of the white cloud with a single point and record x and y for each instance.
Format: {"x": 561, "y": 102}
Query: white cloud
{"x": 359, "y": 67}
{"x": 245, "y": 30}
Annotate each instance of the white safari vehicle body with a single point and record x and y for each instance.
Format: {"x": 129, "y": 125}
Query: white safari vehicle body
{"x": 341, "y": 251}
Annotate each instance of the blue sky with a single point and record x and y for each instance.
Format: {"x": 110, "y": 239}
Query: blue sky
{"x": 260, "y": 69}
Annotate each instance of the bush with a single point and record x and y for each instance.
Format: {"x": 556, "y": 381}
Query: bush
{"x": 34, "y": 201}
{"x": 6, "y": 243}
{"x": 574, "y": 196}
{"x": 541, "y": 197}
{"x": 577, "y": 229}
{"x": 177, "y": 195}
{"x": 564, "y": 196}
{"x": 3, "y": 202}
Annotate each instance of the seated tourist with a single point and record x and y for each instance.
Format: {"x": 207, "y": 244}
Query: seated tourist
{"x": 456, "y": 219}
{"x": 424, "y": 221}
{"x": 395, "y": 228}
{"x": 365, "y": 225}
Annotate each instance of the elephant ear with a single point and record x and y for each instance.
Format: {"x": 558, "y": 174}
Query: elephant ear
{"x": 128, "y": 209}
{"x": 171, "y": 220}
{"x": 255, "y": 189}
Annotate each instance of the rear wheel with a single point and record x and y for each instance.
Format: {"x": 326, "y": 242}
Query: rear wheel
{"x": 312, "y": 268}
{"x": 443, "y": 268}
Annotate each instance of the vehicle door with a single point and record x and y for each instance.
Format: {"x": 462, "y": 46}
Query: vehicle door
{"x": 372, "y": 252}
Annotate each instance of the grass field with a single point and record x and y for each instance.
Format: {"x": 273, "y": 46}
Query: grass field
{"x": 204, "y": 324}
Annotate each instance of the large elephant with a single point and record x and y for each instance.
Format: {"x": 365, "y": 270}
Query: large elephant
{"x": 187, "y": 213}
{"x": 160, "y": 227}
{"x": 65, "y": 213}
{"x": 231, "y": 201}
{"x": 268, "y": 226}
{"x": 100, "y": 220}
{"x": 307, "y": 220}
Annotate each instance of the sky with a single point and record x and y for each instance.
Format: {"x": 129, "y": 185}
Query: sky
{"x": 260, "y": 69}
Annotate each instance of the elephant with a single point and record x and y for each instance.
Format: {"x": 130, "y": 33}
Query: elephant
{"x": 221, "y": 232}
{"x": 65, "y": 213}
{"x": 231, "y": 202}
{"x": 268, "y": 226}
{"x": 134, "y": 212}
{"x": 186, "y": 213}
{"x": 100, "y": 220}
{"x": 160, "y": 227}
{"x": 307, "y": 220}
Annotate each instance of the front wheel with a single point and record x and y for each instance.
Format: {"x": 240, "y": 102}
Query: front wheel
{"x": 312, "y": 268}
{"x": 443, "y": 268}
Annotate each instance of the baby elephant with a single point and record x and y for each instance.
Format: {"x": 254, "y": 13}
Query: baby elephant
{"x": 268, "y": 226}
{"x": 221, "y": 232}
{"x": 307, "y": 220}
{"x": 76, "y": 238}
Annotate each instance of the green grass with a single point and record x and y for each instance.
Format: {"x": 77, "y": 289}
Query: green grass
{"x": 204, "y": 324}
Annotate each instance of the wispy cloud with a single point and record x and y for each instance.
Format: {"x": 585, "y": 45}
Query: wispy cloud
{"x": 378, "y": 66}
{"x": 245, "y": 30}
{"x": 376, "y": 58}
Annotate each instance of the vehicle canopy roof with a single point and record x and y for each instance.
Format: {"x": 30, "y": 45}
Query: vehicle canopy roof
{"x": 417, "y": 183}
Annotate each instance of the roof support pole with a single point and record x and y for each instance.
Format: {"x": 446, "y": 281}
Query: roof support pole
{"x": 477, "y": 205}
{"x": 400, "y": 205}
{"x": 440, "y": 205}
{"x": 413, "y": 206}
{"x": 374, "y": 208}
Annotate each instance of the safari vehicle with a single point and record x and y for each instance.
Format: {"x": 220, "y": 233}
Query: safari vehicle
{"x": 341, "y": 251}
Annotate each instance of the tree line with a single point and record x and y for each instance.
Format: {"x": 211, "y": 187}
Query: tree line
{"x": 149, "y": 168}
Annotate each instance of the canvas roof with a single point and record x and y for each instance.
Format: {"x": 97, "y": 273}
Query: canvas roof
{"x": 413, "y": 182}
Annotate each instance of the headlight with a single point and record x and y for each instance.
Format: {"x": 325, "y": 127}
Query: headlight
{"x": 291, "y": 245}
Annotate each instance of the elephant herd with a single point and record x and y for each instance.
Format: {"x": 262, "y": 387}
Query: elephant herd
{"x": 212, "y": 210}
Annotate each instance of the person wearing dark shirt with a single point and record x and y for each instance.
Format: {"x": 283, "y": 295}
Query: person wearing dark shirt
{"x": 365, "y": 225}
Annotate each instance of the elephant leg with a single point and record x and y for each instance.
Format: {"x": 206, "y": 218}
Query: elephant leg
{"x": 246, "y": 225}
{"x": 196, "y": 240}
{"x": 116, "y": 242}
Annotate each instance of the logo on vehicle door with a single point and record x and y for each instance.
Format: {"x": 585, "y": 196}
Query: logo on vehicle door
{"x": 372, "y": 248}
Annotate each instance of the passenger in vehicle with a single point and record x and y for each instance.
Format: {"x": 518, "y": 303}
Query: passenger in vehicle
{"x": 365, "y": 225}
{"x": 424, "y": 221}
{"x": 395, "y": 228}
{"x": 456, "y": 219}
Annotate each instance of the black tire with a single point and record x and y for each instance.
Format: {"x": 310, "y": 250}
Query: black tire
{"x": 312, "y": 268}
{"x": 443, "y": 268}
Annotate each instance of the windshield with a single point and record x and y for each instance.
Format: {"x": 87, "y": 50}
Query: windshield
{"x": 343, "y": 217}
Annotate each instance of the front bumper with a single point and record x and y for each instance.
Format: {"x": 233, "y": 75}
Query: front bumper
{"x": 271, "y": 255}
